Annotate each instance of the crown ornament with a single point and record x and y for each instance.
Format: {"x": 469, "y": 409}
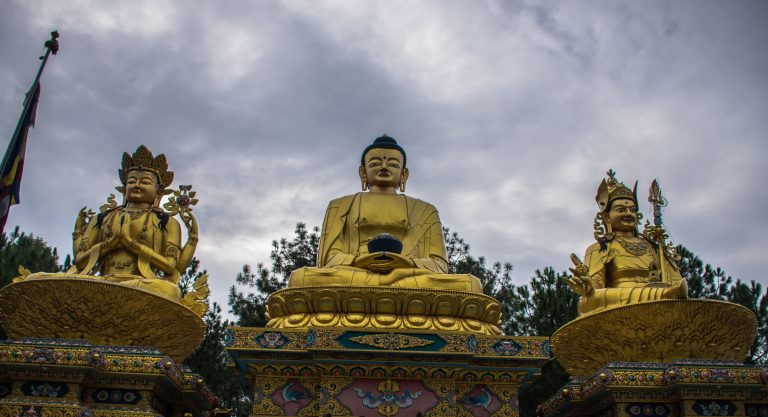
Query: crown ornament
{"x": 142, "y": 160}
{"x": 611, "y": 190}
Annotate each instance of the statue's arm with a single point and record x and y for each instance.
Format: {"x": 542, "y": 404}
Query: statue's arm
{"x": 89, "y": 248}
{"x": 596, "y": 261}
{"x": 333, "y": 251}
{"x": 171, "y": 251}
{"x": 424, "y": 243}
{"x": 188, "y": 251}
{"x": 434, "y": 247}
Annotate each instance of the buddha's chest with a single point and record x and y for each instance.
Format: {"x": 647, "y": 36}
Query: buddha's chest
{"x": 382, "y": 213}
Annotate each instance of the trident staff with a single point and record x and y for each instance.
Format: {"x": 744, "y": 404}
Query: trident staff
{"x": 658, "y": 202}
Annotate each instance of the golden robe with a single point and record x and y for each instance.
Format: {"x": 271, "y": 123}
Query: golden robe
{"x": 352, "y": 221}
{"x": 621, "y": 277}
{"x": 126, "y": 267}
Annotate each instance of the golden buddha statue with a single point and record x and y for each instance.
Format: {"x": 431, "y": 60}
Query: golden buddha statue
{"x": 624, "y": 267}
{"x": 351, "y": 222}
{"x": 137, "y": 243}
{"x": 359, "y": 232}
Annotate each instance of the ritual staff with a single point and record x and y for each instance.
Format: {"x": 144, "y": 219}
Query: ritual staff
{"x": 623, "y": 266}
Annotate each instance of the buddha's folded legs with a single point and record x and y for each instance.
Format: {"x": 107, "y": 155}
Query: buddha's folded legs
{"x": 614, "y": 297}
{"x": 401, "y": 277}
{"x": 160, "y": 287}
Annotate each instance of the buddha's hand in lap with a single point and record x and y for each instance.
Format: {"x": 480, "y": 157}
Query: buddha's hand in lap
{"x": 382, "y": 262}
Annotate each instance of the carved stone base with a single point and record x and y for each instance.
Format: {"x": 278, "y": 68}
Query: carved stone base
{"x": 656, "y": 331}
{"x": 680, "y": 388}
{"x": 384, "y": 308}
{"x": 104, "y": 313}
{"x": 372, "y": 373}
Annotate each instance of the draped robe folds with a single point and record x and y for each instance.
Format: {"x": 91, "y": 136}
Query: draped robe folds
{"x": 342, "y": 240}
{"x": 622, "y": 278}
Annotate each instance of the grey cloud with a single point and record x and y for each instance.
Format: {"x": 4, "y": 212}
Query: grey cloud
{"x": 510, "y": 113}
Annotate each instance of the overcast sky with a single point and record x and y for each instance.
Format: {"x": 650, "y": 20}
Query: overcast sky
{"x": 510, "y": 112}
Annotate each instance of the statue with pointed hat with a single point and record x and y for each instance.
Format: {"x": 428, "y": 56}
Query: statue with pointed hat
{"x": 623, "y": 266}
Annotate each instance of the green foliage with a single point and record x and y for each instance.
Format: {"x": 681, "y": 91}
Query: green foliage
{"x": 493, "y": 278}
{"x": 26, "y": 250}
{"x": 188, "y": 278}
{"x": 210, "y": 361}
{"x": 287, "y": 256}
{"x": 539, "y": 308}
{"x": 752, "y": 297}
{"x": 706, "y": 281}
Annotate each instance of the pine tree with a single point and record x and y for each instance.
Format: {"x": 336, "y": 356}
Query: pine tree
{"x": 28, "y": 251}
{"x": 287, "y": 256}
{"x": 21, "y": 249}
{"x": 539, "y": 308}
{"x": 211, "y": 360}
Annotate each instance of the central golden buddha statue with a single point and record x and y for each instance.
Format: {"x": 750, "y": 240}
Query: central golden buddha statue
{"x": 378, "y": 239}
{"x": 351, "y": 222}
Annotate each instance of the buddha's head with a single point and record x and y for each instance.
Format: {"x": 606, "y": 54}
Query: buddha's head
{"x": 618, "y": 208}
{"x": 382, "y": 166}
{"x": 144, "y": 177}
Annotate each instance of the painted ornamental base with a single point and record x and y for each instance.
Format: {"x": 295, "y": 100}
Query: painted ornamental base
{"x": 676, "y": 389}
{"x": 73, "y": 378}
{"x": 361, "y": 372}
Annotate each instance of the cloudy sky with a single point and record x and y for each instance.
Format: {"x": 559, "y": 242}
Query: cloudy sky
{"x": 510, "y": 112}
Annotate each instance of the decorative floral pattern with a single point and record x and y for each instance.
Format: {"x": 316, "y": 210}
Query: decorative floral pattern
{"x": 271, "y": 340}
{"x": 507, "y": 347}
{"x": 391, "y": 341}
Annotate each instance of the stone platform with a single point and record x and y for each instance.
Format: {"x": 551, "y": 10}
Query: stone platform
{"x": 373, "y": 373}
{"x": 74, "y": 378}
{"x": 680, "y": 388}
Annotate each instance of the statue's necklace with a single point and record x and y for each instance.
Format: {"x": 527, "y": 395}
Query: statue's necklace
{"x": 635, "y": 248}
{"x": 135, "y": 214}
{"x": 143, "y": 235}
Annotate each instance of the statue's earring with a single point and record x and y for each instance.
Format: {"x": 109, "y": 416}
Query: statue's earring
{"x": 365, "y": 184}
{"x": 608, "y": 228}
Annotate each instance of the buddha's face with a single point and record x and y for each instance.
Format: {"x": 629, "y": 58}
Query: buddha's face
{"x": 141, "y": 187}
{"x": 623, "y": 215}
{"x": 383, "y": 169}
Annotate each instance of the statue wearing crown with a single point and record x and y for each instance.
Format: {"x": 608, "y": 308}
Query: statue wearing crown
{"x": 137, "y": 243}
{"x": 634, "y": 304}
{"x": 123, "y": 287}
{"x": 624, "y": 266}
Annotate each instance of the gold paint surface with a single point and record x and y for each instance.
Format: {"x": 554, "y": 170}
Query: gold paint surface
{"x": 80, "y": 307}
{"x": 655, "y": 331}
{"x": 384, "y": 308}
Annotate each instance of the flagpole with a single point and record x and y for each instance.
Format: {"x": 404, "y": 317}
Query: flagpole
{"x": 51, "y": 45}
{"x": 13, "y": 159}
